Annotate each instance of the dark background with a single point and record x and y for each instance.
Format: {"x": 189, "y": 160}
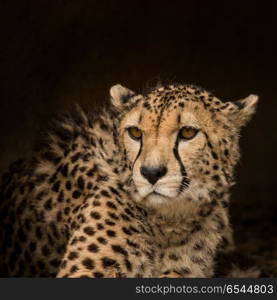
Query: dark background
{"x": 53, "y": 53}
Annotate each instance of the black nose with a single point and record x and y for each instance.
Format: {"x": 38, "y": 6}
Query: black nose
{"x": 153, "y": 174}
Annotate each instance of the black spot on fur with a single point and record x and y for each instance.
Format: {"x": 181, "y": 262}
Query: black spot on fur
{"x": 80, "y": 183}
{"x": 216, "y": 178}
{"x": 48, "y": 204}
{"x": 113, "y": 215}
{"x": 96, "y": 203}
{"x": 126, "y": 230}
{"x": 125, "y": 217}
{"x": 226, "y": 152}
{"x": 38, "y": 233}
{"x": 74, "y": 269}
{"x": 89, "y": 230}
{"x": 76, "y": 194}
{"x": 114, "y": 191}
{"x": 92, "y": 171}
{"x": 100, "y": 226}
{"x": 102, "y": 240}
{"x": 75, "y": 157}
{"x": 64, "y": 170}
{"x": 55, "y": 262}
{"x": 173, "y": 256}
{"x": 127, "y": 210}
{"x": 128, "y": 265}
{"x": 68, "y": 185}
{"x": 111, "y": 233}
{"x": 93, "y": 248}
{"x": 88, "y": 263}
{"x": 108, "y": 262}
{"x": 105, "y": 193}
{"x": 56, "y": 186}
{"x": 198, "y": 245}
{"x": 119, "y": 249}
{"x": 45, "y": 251}
{"x": 214, "y": 155}
{"x": 95, "y": 215}
{"x": 111, "y": 205}
{"x": 98, "y": 274}
{"x": 109, "y": 222}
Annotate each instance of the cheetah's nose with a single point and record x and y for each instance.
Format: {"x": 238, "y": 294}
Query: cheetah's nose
{"x": 153, "y": 174}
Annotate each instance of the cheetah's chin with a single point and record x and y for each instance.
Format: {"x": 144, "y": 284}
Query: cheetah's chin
{"x": 152, "y": 199}
{"x": 156, "y": 198}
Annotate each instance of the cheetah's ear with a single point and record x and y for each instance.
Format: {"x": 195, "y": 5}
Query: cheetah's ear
{"x": 245, "y": 109}
{"x": 120, "y": 95}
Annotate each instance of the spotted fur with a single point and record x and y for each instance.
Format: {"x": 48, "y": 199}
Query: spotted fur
{"x": 82, "y": 208}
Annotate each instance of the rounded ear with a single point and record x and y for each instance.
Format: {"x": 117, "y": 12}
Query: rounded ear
{"x": 120, "y": 96}
{"x": 246, "y": 109}
{"x": 242, "y": 110}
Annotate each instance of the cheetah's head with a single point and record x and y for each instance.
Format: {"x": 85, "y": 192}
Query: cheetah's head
{"x": 181, "y": 142}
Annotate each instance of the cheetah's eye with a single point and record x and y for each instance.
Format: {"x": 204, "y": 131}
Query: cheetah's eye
{"x": 135, "y": 133}
{"x": 188, "y": 133}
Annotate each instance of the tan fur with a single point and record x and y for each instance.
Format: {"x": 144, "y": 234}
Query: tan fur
{"x": 83, "y": 208}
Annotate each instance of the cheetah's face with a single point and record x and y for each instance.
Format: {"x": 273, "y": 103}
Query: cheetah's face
{"x": 178, "y": 148}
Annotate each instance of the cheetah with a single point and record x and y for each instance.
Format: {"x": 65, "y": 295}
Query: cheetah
{"x": 140, "y": 189}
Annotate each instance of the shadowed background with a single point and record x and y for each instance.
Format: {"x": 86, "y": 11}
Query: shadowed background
{"x": 53, "y": 53}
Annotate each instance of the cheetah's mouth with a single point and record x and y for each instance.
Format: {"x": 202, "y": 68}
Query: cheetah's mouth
{"x": 157, "y": 195}
{"x": 156, "y": 198}
{"x": 161, "y": 192}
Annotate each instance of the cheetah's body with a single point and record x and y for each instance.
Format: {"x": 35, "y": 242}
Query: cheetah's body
{"x": 74, "y": 211}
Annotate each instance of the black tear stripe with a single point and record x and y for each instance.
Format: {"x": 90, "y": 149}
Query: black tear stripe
{"x": 185, "y": 180}
{"x": 141, "y": 144}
